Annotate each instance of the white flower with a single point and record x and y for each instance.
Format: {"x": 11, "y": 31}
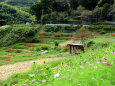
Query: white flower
{"x": 56, "y": 75}
{"x": 31, "y": 75}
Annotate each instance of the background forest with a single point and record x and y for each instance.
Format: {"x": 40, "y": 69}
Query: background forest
{"x": 56, "y": 11}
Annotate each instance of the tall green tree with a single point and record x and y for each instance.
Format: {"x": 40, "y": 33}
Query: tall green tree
{"x": 88, "y": 4}
{"x": 65, "y": 5}
{"x": 102, "y": 2}
{"x": 36, "y": 9}
{"x": 60, "y": 5}
{"x": 40, "y": 8}
{"x": 105, "y": 10}
{"x": 74, "y": 4}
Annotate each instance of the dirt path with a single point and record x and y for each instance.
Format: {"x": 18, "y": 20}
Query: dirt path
{"x": 8, "y": 70}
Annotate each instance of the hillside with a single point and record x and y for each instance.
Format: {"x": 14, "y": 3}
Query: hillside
{"x": 21, "y": 4}
{"x": 12, "y": 15}
{"x": 67, "y": 11}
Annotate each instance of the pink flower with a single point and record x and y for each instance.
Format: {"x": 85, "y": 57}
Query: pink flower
{"x": 113, "y": 52}
{"x": 82, "y": 67}
{"x": 96, "y": 59}
{"x": 72, "y": 79}
{"x": 100, "y": 60}
{"x": 69, "y": 64}
{"x": 6, "y": 59}
{"x": 105, "y": 62}
{"x": 56, "y": 75}
{"x": 95, "y": 67}
{"x": 104, "y": 58}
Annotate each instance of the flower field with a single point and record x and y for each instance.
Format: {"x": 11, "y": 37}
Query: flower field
{"x": 95, "y": 67}
{"x": 28, "y": 51}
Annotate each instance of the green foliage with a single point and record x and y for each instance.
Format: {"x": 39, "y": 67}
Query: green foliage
{"x": 2, "y": 0}
{"x": 32, "y": 40}
{"x": 27, "y": 33}
{"x": 60, "y": 28}
{"x": 56, "y": 44}
{"x": 21, "y": 4}
{"x": 65, "y": 5}
{"x": 73, "y": 4}
{"x": 47, "y": 8}
{"x": 59, "y": 11}
{"x": 12, "y": 15}
{"x": 44, "y": 7}
{"x": 2, "y": 22}
{"x": 102, "y": 28}
{"x": 89, "y": 43}
{"x": 60, "y": 5}
{"x": 18, "y": 33}
{"x": 88, "y": 4}
{"x": 102, "y": 2}
{"x": 42, "y": 48}
{"x": 105, "y": 10}
{"x": 34, "y": 10}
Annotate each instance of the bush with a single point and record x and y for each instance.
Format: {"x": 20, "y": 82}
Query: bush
{"x": 97, "y": 44}
{"x": 12, "y": 15}
{"x": 18, "y": 33}
{"x": 18, "y": 51}
{"x": 102, "y": 28}
{"x": 90, "y": 43}
{"x": 45, "y": 48}
{"x": 56, "y": 44}
{"x": 61, "y": 28}
{"x": 32, "y": 40}
{"x": 42, "y": 48}
{"x": 72, "y": 28}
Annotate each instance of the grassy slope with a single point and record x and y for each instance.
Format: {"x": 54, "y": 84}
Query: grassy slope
{"x": 14, "y": 15}
{"x": 21, "y": 4}
{"x": 86, "y": 69}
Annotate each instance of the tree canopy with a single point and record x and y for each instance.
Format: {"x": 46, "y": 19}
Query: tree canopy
{"x": 12, "y": 15}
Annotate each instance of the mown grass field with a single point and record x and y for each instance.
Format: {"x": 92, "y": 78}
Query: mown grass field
{"x": 95, "y": 67}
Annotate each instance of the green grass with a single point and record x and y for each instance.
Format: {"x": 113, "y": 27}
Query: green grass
{"x": 85, "y": 69}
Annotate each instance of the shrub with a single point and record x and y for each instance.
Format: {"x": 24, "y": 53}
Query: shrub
{"x": 102, "y": 28}
{"x": 73, "y": 28}
{"x": 42, "y": 48}
{"x": 56, "y": 44}
{"x": 18, "y": 51}
{"x": 12, "y": 15}
{"x": 90, "y": 43}
{"x": 18, "y": 33}
{"x": 61, "y": 28}
{"x": 38, "y": 48}
{"x": 45, "y": 48}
